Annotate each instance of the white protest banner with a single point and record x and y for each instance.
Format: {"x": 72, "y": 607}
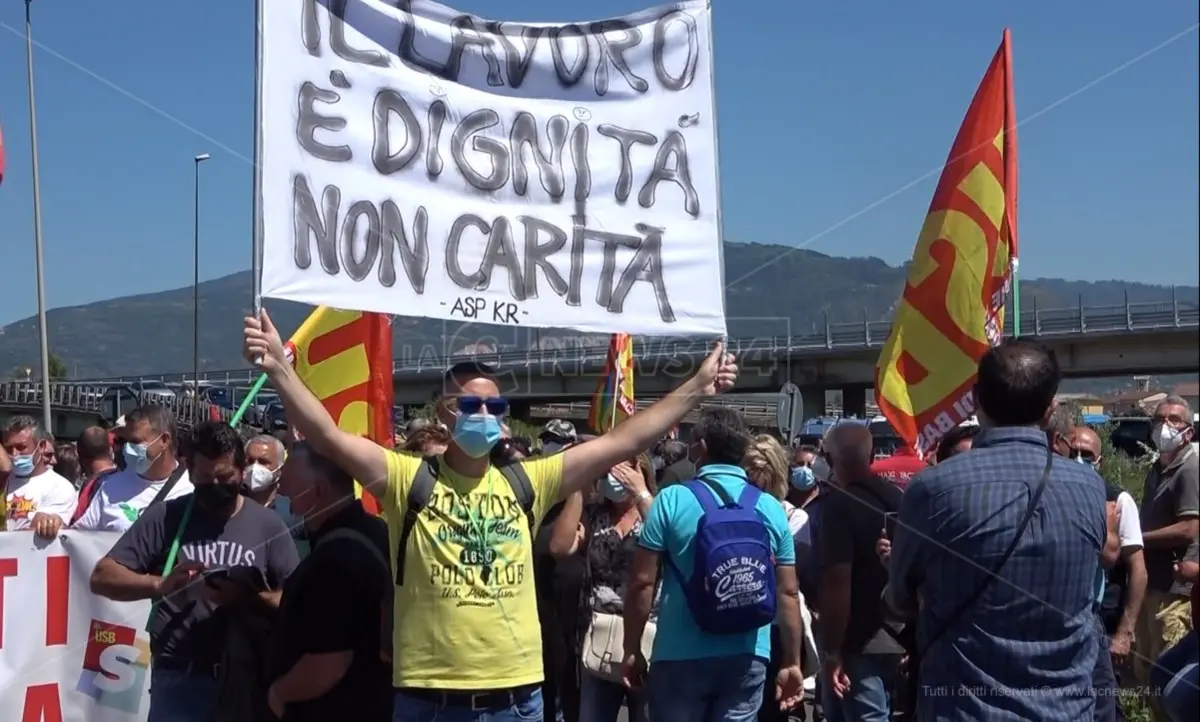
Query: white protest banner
{"x": 65, "y": 654}
{"x": 418, "y": 161}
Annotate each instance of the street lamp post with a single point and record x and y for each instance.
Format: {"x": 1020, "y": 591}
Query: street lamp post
{"x": 196, "y": 287}
{"x": 43, "y": 333}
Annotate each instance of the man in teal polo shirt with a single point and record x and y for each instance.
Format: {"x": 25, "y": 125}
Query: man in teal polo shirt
{"x": 694, "y": 674}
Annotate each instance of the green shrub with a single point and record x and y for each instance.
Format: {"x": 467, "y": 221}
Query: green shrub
{"x": 1120, "y": 469}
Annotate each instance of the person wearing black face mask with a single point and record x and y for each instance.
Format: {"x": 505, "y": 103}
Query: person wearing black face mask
{"x": 231, "y": 558}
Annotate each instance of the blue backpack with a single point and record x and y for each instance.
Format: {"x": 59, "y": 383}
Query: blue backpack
{"x": 731, "y": 589}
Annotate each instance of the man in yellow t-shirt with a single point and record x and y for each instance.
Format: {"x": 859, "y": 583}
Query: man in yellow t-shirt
{"x": 465, "y": 635}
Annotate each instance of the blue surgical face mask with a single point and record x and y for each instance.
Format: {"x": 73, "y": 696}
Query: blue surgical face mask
{"x": 476, "y": 434}
{"x": 612, "y": 489}
{"x": 23, "y": 466}
{"x": 137, "y": 456}
{"x": 803, "y": 478}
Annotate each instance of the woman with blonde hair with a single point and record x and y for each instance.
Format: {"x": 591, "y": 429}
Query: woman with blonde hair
{"x": 766, "y": 465}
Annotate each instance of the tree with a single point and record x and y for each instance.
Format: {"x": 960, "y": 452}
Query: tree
{"x": 57, "y": 368}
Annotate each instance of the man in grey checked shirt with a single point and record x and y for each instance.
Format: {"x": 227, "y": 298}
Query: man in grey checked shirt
{"x": 1026, "y": 649}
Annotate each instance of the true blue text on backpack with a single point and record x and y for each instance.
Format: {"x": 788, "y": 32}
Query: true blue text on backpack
{"x": 731, "y": 588}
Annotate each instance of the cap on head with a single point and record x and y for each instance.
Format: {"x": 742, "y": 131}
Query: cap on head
{"x": 558, "y": 430}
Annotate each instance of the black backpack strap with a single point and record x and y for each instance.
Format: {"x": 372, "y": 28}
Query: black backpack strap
{"x": 172, "y": 480}
{"x": 419, "y": 494}
{"x": 522, "y": 487}
{"x": 941, "y": 627}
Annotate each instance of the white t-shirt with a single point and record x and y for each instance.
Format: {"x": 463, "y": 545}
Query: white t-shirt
{"x": 1129, "y": 529}
{"x": 796, "y": 517}
{"x": 47, "y": 493}
{"x": 122, "y": 498}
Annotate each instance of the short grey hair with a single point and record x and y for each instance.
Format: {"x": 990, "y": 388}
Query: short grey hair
{"x": 17, "y": 424}
{"x": 1173, "y": 400}
{"x": 269, "y": 441}
{"x": 849, "y": 443}
{"x": 1062, "y": 420}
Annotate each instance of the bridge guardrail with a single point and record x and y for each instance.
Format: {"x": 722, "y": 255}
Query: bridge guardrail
{"x": 1125, "y": 318}
{"x": 93, "y": 398}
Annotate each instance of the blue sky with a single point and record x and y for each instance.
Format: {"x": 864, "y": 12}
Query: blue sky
{"x": 867, "y": 97}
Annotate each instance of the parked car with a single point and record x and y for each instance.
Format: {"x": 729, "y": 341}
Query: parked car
{"x": 120, "y": 399}
{"x": 221, "y": 396}
{"x": 887, "y": 441}
{"x": 152, "y": 388}
{"x": 1131, "y": 434}
{"x": 274, "y": 417}
{"x": 256, "y": 414}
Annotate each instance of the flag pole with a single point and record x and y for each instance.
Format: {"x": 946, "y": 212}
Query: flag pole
{"x": 1010, "y": 178}
{"x": 616, "y": 397}
{"x": 43, "y": 333}
{"x": 256, "y": 211}
{"x": 245, "y": 405}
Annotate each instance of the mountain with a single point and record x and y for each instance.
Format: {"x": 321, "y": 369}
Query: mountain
{"x": 152, "y": 333}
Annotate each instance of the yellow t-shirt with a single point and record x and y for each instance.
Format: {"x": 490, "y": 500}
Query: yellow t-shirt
{"x": 466, "y": 617}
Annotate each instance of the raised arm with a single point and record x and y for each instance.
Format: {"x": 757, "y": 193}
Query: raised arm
{"x": 586, "y": 462}
{"x": 566, "y": 537}
{"x": 363, "y": 459}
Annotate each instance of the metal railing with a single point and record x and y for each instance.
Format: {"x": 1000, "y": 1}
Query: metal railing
{"x": 96, "y": 399}
{"x": 832, "y": 337}
{"x": 759, "y": 411}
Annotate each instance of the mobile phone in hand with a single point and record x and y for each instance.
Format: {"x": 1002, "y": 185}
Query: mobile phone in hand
{"x": 889, "y": 523}
{"x": 210, "y": 575}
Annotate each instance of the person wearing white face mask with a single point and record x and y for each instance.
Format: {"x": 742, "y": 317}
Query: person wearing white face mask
{"x": 1170, "y": 515}
{"x": 265, "y": 456}
{"x": 152, "y": 473}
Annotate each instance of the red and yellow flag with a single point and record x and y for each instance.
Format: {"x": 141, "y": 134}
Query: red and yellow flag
{"x": 345, "y": 359}
{"x": 613, "y": 401}
{"x": 952, "y": 308}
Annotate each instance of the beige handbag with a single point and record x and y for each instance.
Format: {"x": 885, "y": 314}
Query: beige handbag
{"x": 604, "y": 645}
{"x": 603, "y": 648}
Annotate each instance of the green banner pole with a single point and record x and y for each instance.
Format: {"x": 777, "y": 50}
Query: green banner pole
{"x": 245, "y": 406}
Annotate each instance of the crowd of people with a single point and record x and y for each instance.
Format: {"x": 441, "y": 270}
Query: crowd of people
{"x": 724, "y": 576}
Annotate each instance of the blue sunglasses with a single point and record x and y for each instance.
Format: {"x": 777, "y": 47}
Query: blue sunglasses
{"x": 496, "y": 406}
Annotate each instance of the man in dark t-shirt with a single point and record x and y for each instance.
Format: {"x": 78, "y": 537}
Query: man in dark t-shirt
{"x": 330, "y": 651}
{"x": 859, "y": 652}
{"x": 232, "y": 558}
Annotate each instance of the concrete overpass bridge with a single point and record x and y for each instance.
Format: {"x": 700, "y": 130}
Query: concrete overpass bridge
{"x": 1123, "y": 340}
{"x": 1089, "y": 342}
